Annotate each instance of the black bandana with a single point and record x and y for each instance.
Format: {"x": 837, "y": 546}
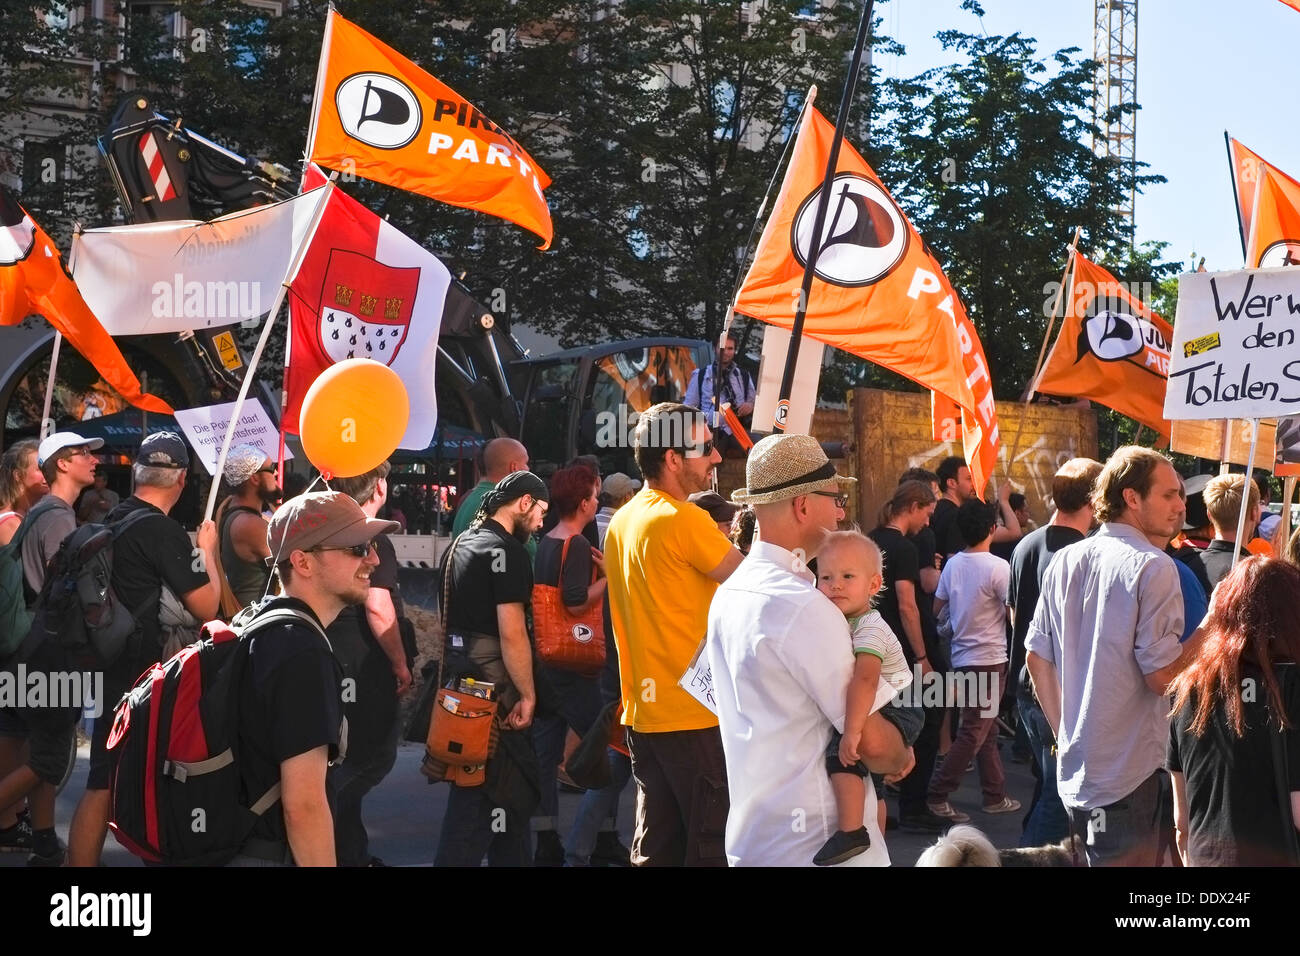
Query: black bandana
{"x": 512, "y": 487}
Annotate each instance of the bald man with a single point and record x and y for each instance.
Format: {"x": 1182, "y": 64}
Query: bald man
{"x": 501, "y": 457}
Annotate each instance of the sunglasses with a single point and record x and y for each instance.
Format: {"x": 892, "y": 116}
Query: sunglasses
{"x": 268, "y": 470}
{"x": 841, "y": 501}
{"x": 698, "y": 451}
{"x": 356, "y": 550}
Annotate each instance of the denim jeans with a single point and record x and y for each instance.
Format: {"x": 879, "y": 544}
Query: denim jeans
{"x": 472, "y": 826}
{"x": 1047, "y": 821}
{"x": 598, "y": 810}
{"x": 351, "y": 780}
{"x": 567, "y": 700}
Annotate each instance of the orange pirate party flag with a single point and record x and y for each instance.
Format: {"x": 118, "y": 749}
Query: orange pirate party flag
{"x": 877, "y": 292}
{"x": 378, "y": 115}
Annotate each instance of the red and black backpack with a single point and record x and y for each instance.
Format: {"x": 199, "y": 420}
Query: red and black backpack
{"x": 175, "y": 789}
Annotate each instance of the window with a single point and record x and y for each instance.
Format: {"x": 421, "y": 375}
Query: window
{"x": 151, "y": 30}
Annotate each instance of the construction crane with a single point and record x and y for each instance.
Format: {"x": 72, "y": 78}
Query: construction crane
{"x": 1114, "y": 90}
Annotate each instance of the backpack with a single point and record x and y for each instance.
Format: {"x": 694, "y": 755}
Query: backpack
{"x": 175, "y": 786}
{"x": 77, "y": 609}
{"x": 15, "y": 618}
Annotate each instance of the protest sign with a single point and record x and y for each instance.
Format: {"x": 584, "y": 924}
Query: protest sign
{"x": 206, "y": 428}
{"x": 698, "y": 679}
{"x": 1234, "y": 353}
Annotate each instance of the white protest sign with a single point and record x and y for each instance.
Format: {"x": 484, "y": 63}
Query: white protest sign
{"x": 698, "y": 680}
{"x": 206, "y": 429}
{"x": 1235, "y": 351}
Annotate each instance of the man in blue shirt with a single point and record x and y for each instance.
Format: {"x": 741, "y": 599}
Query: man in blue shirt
{"x": 734, "y": 385}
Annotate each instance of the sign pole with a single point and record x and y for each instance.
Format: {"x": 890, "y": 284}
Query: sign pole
{"x": 1245, "y": 490}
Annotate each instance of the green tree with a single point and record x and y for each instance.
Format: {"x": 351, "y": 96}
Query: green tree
{"x": 989, "y": 157}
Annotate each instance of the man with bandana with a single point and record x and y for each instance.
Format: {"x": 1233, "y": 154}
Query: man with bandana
{"x": 488, "y": 581}
{"x": 250, "y": 477}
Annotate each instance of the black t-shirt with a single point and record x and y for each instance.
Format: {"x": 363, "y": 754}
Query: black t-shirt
{"x": 1004, "y": 549}
{"x": 900, "y": 565}
{"x": 151, "y": 552}
{"x": 290, "y": 704}
{"x": 927, "y": 556}
{"x": 1028, "y": 565}
{"x": 576, "y": 572}
{"x": 943, "y": 521}
{"x": 1190, "y": 555}
{"x": 1214, "y": 563}
{"x": 1234, "y": 812}
{"x": 488, "y": 566}
{"x": 370, "y": 701}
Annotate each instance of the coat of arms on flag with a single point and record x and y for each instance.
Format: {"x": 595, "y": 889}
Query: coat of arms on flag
{"x": 366, "y": 307}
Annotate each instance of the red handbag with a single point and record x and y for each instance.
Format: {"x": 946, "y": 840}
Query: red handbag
{"x": 571, "y": 642}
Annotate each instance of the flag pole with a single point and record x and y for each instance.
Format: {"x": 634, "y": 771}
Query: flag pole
{"x": 47, "y": 426}
{"x": 294, "y": 266}
{"x": 320, "y": 83}
{"x": 1051, "y": 321}
{"x": 1254, "y": 217}
{"x": 819, "y": 222}
{"x": 729, "y": 319}
{"x": 762, "y": 208}
{"x": 1236, "y": 192}
{"x": 1042, "y": 352}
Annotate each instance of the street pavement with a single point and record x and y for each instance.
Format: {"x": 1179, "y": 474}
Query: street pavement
{"x": 403, "y": 814}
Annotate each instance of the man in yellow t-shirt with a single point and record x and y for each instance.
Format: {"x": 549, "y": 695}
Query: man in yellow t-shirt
{"x": 664, "y": 558}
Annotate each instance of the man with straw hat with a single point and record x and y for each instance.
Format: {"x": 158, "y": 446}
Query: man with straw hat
{"x": 782, "y": 661}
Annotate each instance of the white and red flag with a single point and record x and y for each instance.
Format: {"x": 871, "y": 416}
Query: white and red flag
{"x": 366, "y": 290}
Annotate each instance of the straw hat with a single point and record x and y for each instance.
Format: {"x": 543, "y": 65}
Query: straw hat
{"x": 786, "y": 466}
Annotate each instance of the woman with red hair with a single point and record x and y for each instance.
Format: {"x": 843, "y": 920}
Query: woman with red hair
{"x": 568, "y": 702}
{"x": 1234, "y": 744}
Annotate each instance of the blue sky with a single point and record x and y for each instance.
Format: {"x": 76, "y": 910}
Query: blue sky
{"x": 1203, "y": 67}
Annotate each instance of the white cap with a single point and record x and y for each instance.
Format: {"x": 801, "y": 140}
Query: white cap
{"x": 60, "y": 440}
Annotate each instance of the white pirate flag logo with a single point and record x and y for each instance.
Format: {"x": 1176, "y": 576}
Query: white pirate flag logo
{"x": 864, "y": 236}
{"x": 1284, "y": 252}
{"x": 17, "y": 231}
{"x": 365, "y": 307}
{"x": 1121, "y": 336}
{"x": 378, "y": 109}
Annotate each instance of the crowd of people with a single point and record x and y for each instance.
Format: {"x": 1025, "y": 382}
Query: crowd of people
{"x": 760, "y": 673}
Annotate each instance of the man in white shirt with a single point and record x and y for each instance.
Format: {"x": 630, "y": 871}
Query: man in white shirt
{"x": 782, "y": 660}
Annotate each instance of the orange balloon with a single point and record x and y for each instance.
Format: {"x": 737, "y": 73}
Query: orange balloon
{"x": 353, "y": 416}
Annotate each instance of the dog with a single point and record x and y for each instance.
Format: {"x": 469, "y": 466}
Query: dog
{"x": 967, "y": 846}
